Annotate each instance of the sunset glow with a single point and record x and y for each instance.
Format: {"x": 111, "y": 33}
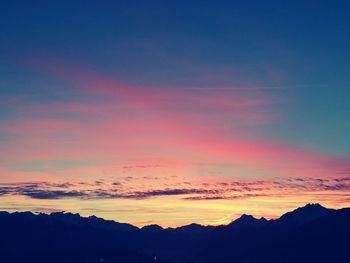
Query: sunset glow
{"x": 149, "y": 132}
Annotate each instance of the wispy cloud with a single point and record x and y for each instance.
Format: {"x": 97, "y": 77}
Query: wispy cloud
{"x": 229, "y": 190}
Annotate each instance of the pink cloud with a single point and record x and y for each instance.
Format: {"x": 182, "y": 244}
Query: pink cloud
{"x": 185, "y": 126}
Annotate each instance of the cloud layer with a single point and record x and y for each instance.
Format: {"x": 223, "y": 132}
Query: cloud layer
{"x": 228, "y": 190}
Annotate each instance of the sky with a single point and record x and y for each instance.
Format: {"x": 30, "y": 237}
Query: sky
{"x": 173, "y": 112}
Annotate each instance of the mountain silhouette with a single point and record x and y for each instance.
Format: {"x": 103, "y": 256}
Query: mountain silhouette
{"x": 303, "y": 215}
{"x": 248, "y": 221}
{"x": 308, "y": 234}
{"x": 152, "y": 228}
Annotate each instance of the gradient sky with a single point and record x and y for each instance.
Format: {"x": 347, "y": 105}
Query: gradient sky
{"x": 173, "y": 112}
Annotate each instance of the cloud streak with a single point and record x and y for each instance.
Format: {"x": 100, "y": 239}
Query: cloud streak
{"x": 229, "y": 190}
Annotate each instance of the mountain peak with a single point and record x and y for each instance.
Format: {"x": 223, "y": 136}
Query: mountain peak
{"x": 247, "y": 220}
{"x": 152, "y": 228}
{"x": 315, "y": 205}
{"x": 191, "y": 228}
{"x": 310, "y": 208}
{"x": 246, "y": 217}
{"x": 304, "y": 214}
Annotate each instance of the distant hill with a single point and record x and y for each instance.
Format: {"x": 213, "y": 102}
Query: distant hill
{"x": 311, "y": 233}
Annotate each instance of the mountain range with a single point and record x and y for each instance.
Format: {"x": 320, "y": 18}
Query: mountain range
{"x": 311, "y": 233}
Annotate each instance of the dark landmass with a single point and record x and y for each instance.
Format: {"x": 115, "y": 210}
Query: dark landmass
{"x": 308, "y": 234}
